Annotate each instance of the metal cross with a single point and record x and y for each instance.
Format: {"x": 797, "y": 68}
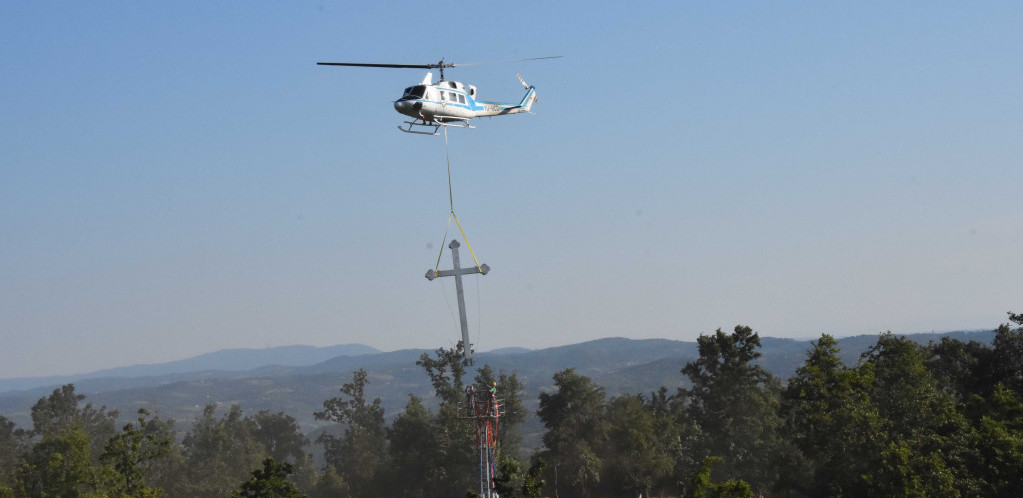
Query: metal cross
{"x": 457, "y": 272}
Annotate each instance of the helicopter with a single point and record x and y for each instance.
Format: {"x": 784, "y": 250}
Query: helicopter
{"x": 447, "y": 103}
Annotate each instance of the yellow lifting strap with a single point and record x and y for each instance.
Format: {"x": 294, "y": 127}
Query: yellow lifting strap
{"x": 451, "y": 203}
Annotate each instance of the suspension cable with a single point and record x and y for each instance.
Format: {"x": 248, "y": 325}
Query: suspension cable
{"x": 452, "y": 215}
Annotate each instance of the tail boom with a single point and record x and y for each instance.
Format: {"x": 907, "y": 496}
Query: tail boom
{"x": 500, "y": 108}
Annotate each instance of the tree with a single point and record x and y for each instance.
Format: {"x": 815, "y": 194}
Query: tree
{"x": 59, "y": 465}
{"x": 455, "y": 434}
{"x": 677, "y": 436}
{"x": 735, "y": 403}
{"x": 360, "y": 453}
{"x": 634, "y": 455}
{"x": 1001, "y": 434}
{"x": 962, "y": 369}
{"x": 220, "y": 452}
{"x": 270, "y": 482}
{"x": 509, "y": 436}
{"x": 166, "y": 472}
{"x": 700, "y": 484}
{"x": 446, "y": 372}
{"x": 508, "y": 478}
{"x": 13, "y": 444}
{"x": 71, "y": 440}
{"x": 281, "y": 435}
{"x": 1008, "y": 353}
{"x": 133, "y": 452}
{"x": 930, "y": 444}
{"x": 832, "y": 420}
{"x": 416, "y": 453}
{"x": 573, "y": 416}
{"x": 60, "y": 411}
{"x": 330, "y": 485}
{"x": 533, "y": 482}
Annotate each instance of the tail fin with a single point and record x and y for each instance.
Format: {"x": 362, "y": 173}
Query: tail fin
{"x": 530, "y": 98}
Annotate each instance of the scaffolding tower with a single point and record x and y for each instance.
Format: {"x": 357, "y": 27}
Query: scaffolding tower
{"x": 485, "y": 409}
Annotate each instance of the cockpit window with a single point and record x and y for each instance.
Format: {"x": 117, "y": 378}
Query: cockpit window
{"x": 414, "y": 92}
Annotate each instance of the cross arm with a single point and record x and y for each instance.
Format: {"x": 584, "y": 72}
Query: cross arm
{"x": 432, "y": 274}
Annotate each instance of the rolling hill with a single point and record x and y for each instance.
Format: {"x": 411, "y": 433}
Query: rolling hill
{"x": 290, "y": 380}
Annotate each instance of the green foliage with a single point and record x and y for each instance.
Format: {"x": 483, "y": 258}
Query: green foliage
{"x": 281, "y": 436}
{"x": 416, "y": 452}
{"x": 732, "y": 489}
{"x": 634, "y": 454}
{"x": 330, "y": 485}
{"x": 60, "y": 464}
{"x": 59, "y": 411}
{"x": 944, "y": 419}
{"x": 455, "y": 435}
{"x": 509, "y": 472}
{"x": 1008, "y": 353}
{"x": 575, "y": 425}
{"x": 270, "y": 482}
{"x": 13, "y": 444}
{"x": 929, "y": 445}
{"x": 1001, "y": 434}
{"x": 509, "y": 436}
{"x": 360, "y": 453}
{"x": 735, "y": 403}
{"x": 700, "y": 484}
{"x": 832, "y": 420}
{"x": 533, "y": 482}
{"x": 64, "y": 460}
{"x": 133, "y": 452}
{"x": 220, "y": 452}
{"x": 446, "y": 372}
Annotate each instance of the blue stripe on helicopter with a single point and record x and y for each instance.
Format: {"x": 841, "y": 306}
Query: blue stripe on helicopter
{"x": 450, "y": 104}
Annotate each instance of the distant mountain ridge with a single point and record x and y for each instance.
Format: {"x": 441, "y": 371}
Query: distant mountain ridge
{"x": 621, "y": 366}
{"x": 229, "y": 360}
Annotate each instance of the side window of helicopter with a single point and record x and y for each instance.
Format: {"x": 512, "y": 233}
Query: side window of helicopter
{"x": 461, "y": 99}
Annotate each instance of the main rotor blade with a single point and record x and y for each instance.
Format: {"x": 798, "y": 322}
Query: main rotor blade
{"x": 362, "y": 64}
{"x": 504, "y": 61}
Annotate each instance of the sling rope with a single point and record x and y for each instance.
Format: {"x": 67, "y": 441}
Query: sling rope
{"x": 452, "y": 215}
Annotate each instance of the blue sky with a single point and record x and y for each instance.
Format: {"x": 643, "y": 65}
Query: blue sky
{"x": 181, "y": 178}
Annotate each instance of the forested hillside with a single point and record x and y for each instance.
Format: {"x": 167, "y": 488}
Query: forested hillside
{"x": 943, "y": 418}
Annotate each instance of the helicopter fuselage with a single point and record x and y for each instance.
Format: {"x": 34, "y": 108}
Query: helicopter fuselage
{"x": 447, "y": 103}
{"x": 451, "y": 101}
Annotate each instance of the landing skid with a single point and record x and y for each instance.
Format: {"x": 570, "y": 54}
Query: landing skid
{"x": 431, "y": 124}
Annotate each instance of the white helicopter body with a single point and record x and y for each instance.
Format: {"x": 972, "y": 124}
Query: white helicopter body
{"x": 447, "y": 103}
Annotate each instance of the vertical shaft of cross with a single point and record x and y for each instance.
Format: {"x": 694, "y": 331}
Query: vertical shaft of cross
{"x": 461, "y": 301}
{"x": 457, "y": 272}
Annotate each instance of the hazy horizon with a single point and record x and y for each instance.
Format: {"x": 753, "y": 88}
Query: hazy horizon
{"x": 382, "y": 351}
